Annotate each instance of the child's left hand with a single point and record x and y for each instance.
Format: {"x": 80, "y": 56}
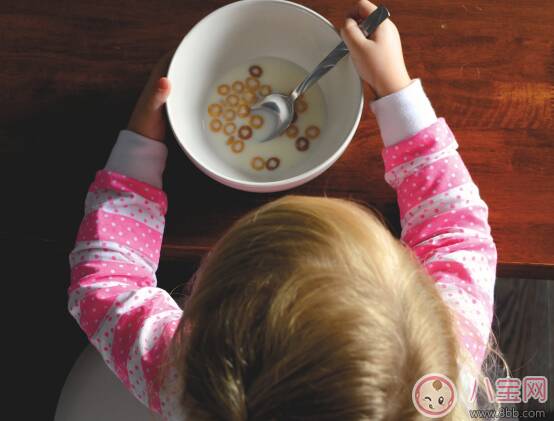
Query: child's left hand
{"x": 148, "y": 118}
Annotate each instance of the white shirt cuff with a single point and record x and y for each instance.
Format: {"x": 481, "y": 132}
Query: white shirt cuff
{"x": 138, "y": 157}
{"x": 404, "y": 113}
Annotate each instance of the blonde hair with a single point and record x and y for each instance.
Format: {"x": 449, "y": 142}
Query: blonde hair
{"x": 309, "y": 309}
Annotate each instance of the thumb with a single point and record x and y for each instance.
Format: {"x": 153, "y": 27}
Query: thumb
{"x": 353, "y": 36}
{"x": 160, "y": 93}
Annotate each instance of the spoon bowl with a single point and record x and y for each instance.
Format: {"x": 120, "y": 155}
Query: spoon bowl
{"x": 280, "y": 111}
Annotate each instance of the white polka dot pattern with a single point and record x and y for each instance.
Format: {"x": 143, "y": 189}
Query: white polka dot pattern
{"x": 453, "y": 199}
{"x": 477, "y": 264}
{"x": 463, "y": 302}
{"x": 444, "y": 221}
{"x": 103, "y": 338}
{"x": 126, "y": 204}
{"x": 100, "y": 225}
{"x": 145, "y": 341}
{"x": 109, "y": 251}
{"x": 113, "y": 294}
{"x": 77, "y": 294}
{"x": 170, "y": 399}
{"x": 396, "y": 175}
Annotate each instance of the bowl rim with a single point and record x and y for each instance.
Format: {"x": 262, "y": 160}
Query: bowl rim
{"x": 265, "y": 186}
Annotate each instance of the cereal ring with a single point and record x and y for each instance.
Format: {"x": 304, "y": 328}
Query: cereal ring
{"x": 229, "y": 114}
{"x": 300, "y": 106}
{"x": 272, "y": 163}
{"x": 215, "y": 110}
{"x": 302, "y": 144}
{"x": 244, "y": 110}
{"x": 252, "y": 83}
{"x": 265, "y": 90}
{"x": 245, "y": 132}
{"x": 223, "y": 89}
{"x": 229, "y": 129}
{"x": 292, "y": 131}
{"x": 232, "y": 100}
{"x": 249, "y": 97}
{"x": 257, "y": 163}
{"x": 312, "y": 132}
{"x": 215, "y": 125}
{"x": 238, "y": 146}
{"x": 256, "y": 121}
{"x": 255, "y": 70}
{"x": 238, "y": 86}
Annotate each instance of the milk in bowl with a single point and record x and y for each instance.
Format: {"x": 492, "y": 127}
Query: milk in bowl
{"x": 233, "y": 129}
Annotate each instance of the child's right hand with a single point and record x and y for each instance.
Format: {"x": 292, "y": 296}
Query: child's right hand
{"x": 379, "y": 59}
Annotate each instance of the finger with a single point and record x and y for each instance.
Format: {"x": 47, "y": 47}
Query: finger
{"x": 160, "y": 94}
{"x": 353, "y": 36}
{"x": 365, "y": 8}
{"x": 160, "y": 68}
{"x": 158, "y": 71}
{"x": 361, "y": 10}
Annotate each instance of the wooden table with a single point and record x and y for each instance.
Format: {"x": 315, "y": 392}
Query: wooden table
{"x": 71, "y": 72}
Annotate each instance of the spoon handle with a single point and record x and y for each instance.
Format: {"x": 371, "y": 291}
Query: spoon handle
{"x": 369, "y": 25}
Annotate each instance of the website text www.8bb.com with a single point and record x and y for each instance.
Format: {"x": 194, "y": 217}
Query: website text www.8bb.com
{"x": 492, "y": 414}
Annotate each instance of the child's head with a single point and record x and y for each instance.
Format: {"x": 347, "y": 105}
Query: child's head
{"x": 309, "y": 308}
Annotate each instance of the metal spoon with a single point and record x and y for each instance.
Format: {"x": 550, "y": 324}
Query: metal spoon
{"x": 281, "y": 107}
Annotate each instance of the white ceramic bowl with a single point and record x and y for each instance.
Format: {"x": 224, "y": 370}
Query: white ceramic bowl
{"x": 246, "y": 30}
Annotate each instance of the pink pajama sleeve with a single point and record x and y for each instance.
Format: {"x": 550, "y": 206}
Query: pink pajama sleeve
{"x": 444, "y": 221}
{"x": 113, "y": 294}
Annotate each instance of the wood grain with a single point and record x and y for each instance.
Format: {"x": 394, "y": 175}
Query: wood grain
{"x": 524, "y": 326}
{"x": 71, "y": 72}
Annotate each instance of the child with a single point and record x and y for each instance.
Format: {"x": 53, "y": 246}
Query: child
{"x": 308, "y": 308}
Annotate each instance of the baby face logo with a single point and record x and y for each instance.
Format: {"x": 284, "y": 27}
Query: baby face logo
{"x": 434, "y": 395}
